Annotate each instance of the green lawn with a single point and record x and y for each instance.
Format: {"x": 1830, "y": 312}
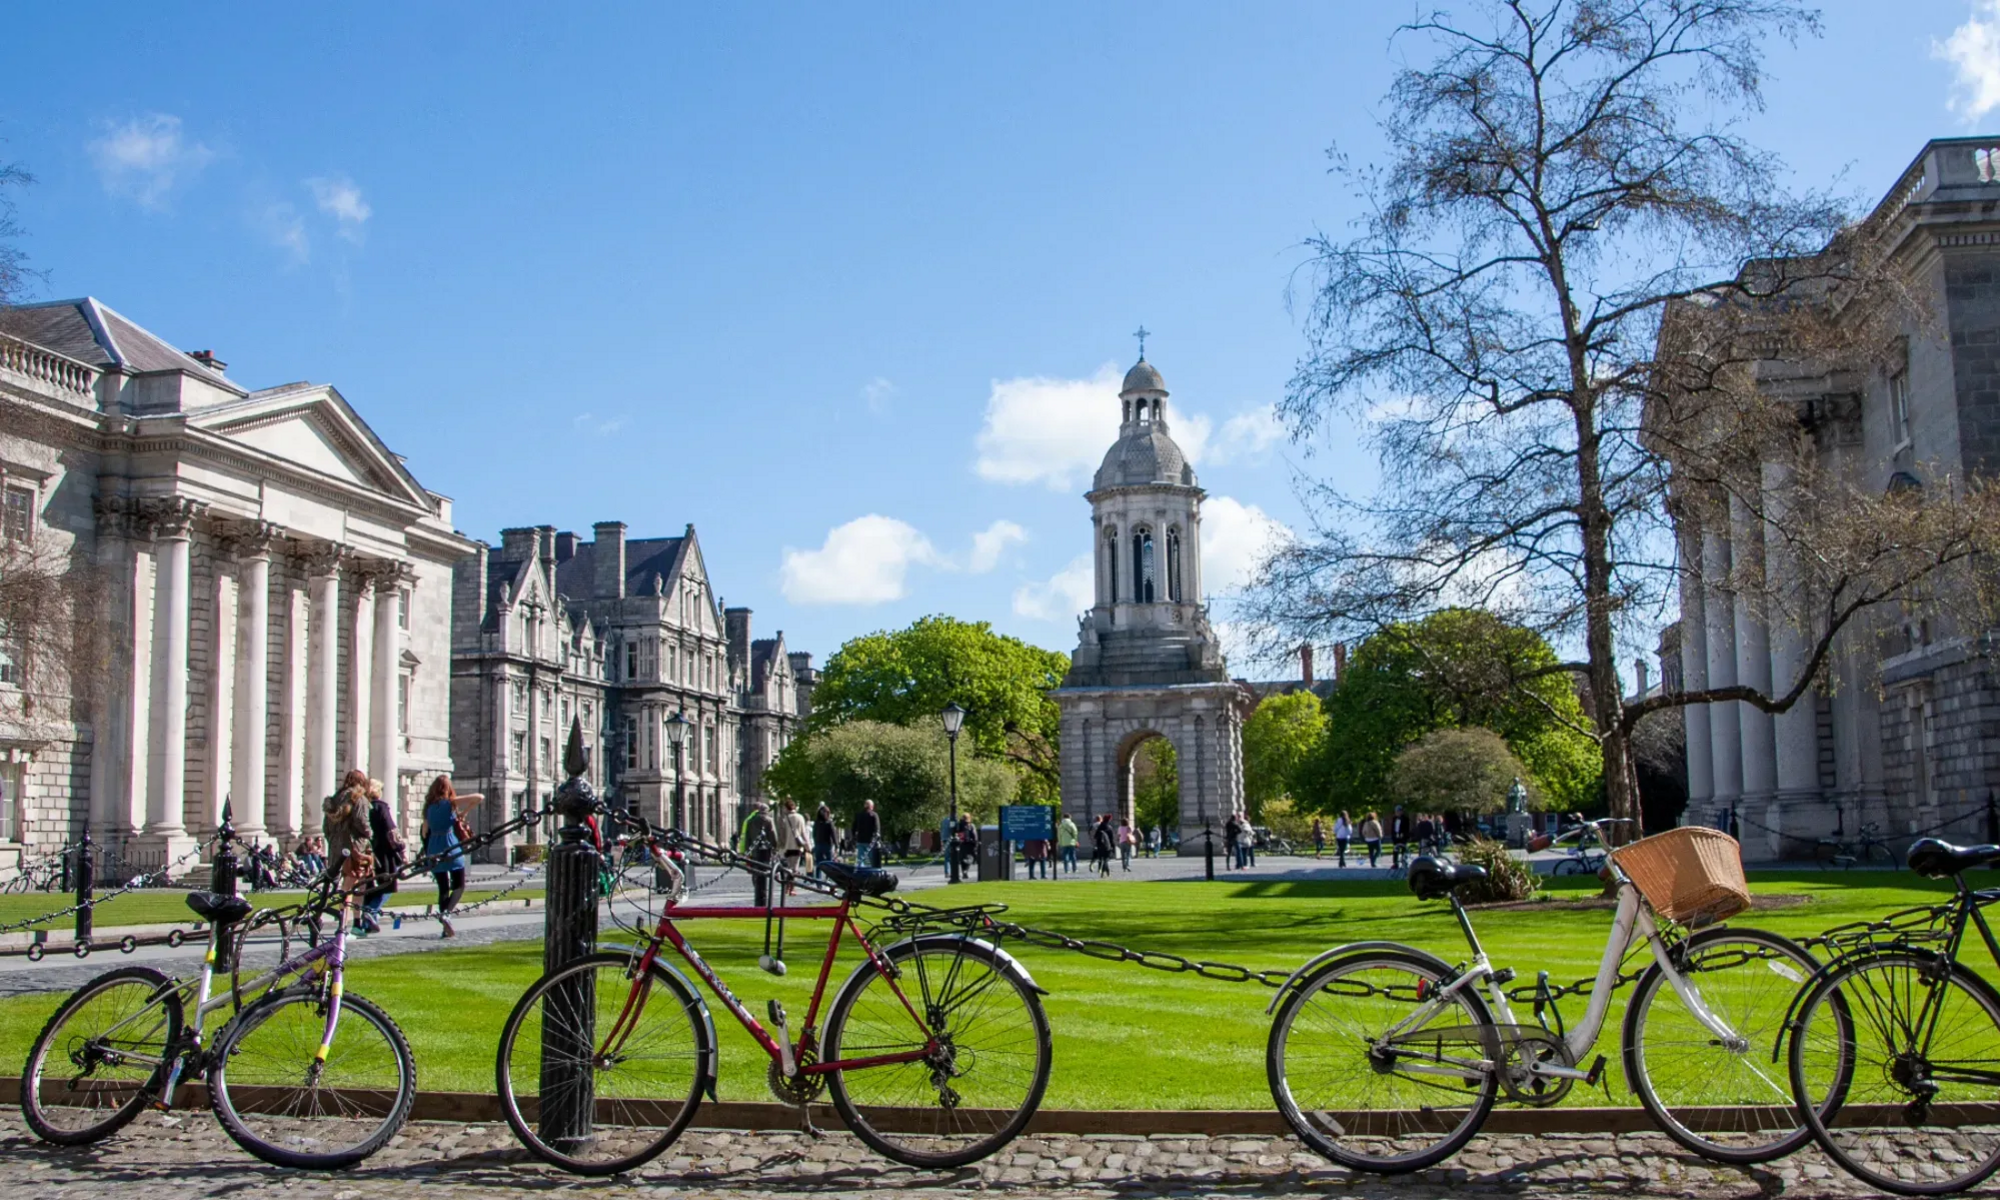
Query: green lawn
{"x": 1124, "y": 1037}
{"x": 170, "y": 907}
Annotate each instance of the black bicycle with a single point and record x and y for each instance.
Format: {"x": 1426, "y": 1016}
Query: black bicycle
{"x": 1895, "y": 1045}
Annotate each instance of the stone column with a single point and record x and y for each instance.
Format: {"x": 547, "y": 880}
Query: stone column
{"x": 360, "y": 659}
{"x": 323, "y": 674}
{"x": 1725, "y": 732}
{"x": 121, "y": 808}
{"x": 288, "y": 812}
{"x": 1798, "y": 726}
{"x": 217, "y": 786}
{"x": 386, "y": 753}
{"x": 1753, "y": 651}
{"x": 1694, "y": 670}
{"x": 166, "y": 790}
{"x": 252, "y": 810}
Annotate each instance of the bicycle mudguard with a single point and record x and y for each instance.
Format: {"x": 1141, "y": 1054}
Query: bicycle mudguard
{"x": 1008, "y": 962}
{"x": 1326, "y": 956}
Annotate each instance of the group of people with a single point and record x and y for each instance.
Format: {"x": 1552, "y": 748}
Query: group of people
{"x": 1107, "y": 841}
{"x": 1428, "y": 832}
{"x": 364, "y": 846}
{"x": 1239, "y": 842}
{"x": 768, "y": 839}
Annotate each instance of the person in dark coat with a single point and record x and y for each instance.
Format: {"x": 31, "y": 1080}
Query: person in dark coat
{"x": 867, "y": 835}
{"x": 760, "y": 846}
{"x": 824, "y": 837}
{"x": 1103, "y": 844}
{"x": 387, "y": 842}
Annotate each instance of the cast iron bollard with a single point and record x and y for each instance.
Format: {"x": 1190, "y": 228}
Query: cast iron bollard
{"x": 570, "y": 932}
{"x": 222, "y": 878}
{"x": 86, "y": 878}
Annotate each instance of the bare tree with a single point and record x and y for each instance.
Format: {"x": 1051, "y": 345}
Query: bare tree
{"x": 1547, "y": 320}
{"x": 51, "y": 648}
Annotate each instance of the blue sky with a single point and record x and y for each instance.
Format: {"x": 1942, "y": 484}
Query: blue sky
{"x": 846, "y": 286}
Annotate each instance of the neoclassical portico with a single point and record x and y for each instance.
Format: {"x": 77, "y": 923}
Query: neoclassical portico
{"x": 275, "y": 599}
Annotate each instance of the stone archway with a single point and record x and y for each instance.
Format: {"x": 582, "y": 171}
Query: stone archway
{"x": 1102, "y": 728}
{"x": 1126, "y": 759}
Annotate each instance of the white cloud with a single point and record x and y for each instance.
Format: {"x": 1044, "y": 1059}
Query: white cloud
{"x": 1061, "y": 597}
{"x": 283, "y": 227}
{"x": 992, "y": 542}
{"x": 1973, "y": 50}
{"x": 591, "y": 423}
{"x": 877, "y": 393}
{"x": 1048, "y": 431}
{"x": 1235, "y": 538}
{"x": 864, "y": 561}
{"x": 1246, "y": 437}
{"x": 145, "y": 157}
{"x": 339, "y": 198}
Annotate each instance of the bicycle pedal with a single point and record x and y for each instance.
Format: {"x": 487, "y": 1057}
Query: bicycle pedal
{"x": 1596, "y": 1073}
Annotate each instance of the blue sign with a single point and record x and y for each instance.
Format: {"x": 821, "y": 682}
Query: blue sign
{"x": 1027, "y": 822}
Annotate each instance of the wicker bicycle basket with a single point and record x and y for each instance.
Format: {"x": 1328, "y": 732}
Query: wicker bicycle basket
{"x": 1691, "y": 875}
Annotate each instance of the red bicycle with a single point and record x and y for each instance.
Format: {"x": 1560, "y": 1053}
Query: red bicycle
{"x": 935, "y": 1050}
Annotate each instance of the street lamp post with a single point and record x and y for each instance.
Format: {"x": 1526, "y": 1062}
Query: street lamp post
{"x": 954, "y": 720}
{"x": 677, "y": 729}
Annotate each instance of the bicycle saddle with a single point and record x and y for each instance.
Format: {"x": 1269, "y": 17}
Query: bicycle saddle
{"x": 1433, "y": 878}
{"x": 1936, "y": 858}
{"x": 859, "y": 881}
{"x": 218, "y": 909}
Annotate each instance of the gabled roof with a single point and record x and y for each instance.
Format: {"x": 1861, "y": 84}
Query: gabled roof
{"x": 313, "y": 426}
{"x": 644, "y": 558}
{"x": 766, "y": 653}
{"x": 89, "y": 331}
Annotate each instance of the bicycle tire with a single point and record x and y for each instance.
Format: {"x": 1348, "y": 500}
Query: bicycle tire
{"x": 1572, "y": 866}
{"x": 1873, "y": 1129}
{"x": 1286, "y": 1068}
{"x": 1722, "y": 1105}
{"x": 518, "y": 1079}
{"x": 274, "y": 1120}
{"x": 992, "y": 1105}
{"x": 142, "y": 987}
{"x": 1881, "y": 850}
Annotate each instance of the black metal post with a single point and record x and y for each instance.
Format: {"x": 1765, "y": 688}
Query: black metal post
{"x": 680, "y": 791}
{"x": 85, "y": 876}
{"x": 951, "y": 846}
{"x": 570, "y": 933}
{"x": 1208, "y": 851}
{"x": 222, "y": 876}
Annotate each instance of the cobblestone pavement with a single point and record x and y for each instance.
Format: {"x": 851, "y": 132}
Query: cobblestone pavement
{"x": 191, "y": 1157}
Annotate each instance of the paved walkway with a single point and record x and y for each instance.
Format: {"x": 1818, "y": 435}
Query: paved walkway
{"x": 188, "y": 1156}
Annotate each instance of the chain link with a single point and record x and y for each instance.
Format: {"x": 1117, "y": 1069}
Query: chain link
{"x": 134, "y": 884}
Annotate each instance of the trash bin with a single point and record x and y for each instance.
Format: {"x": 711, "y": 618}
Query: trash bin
{"x": 996, "y": 858}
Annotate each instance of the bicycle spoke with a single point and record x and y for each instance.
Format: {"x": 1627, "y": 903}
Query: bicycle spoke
{"x": 281, "y": 1101}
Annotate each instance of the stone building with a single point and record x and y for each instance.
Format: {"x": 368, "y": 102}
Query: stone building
{"x": 1907, "y": 735}
{"x": 1147, "y": 664}
{"x": 620, "y": 635}
{"x": 271, "y": 586}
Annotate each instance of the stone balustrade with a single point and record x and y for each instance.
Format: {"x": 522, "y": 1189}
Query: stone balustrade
{"x": 62, "y": 374}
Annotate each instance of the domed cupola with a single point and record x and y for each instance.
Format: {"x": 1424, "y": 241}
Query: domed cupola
{"x": 1144, "y": 452}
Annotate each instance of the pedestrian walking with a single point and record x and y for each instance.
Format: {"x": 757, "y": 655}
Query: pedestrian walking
{"x": 1066, "y": 843}
{"x": 1125, "y": 844}
{"x": 794, "y": 843}
{"x": 1399, "y": 833}
{"x": 1319, "y": 837}
{"x": 344, "y": 818}
{"x": 1035, "y": 851}
{"x": 1248, "y": 844}
{"x": 1343, "y": 833}
{"x": 387, "y": 843}
{"x": 824, "y": 836}
{"x": 965, "y": 844}
{"x": 1153, "y": 842}
{"x": 1371, "y": 836}
{"x": 444, "y": 835}
{"x": 760, "y": 844}
{"x": 867, "y": 829}
{"x": 1426, "y": 834}
{"x": 1102, "y": 842}
{"x": 1231, "y": 834}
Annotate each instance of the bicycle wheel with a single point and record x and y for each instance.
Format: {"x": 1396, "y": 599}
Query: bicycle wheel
{"x": 1725, "y": 1100}
{"x": 1878, "y": 854}
{"x": 976, "y": 1091}
{"x": 625, "y": 1057}
{"x": 1369, "y": 1100}
{"x": 280, "y": 1101}
{"x": 98, "y": 1059}
{"x": 1913, "y": 1071}
{"x": 1571, "y": 866}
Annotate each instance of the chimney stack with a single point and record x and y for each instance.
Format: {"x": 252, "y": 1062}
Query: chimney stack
{"x": 610, "y": 559}
{"x": 1339, "y": 661}
{"x": 207, "y": 359}
{"x": 1306, "y": 663}
{"x": 1642, "y": 679}
{"x": 565, "y": 546}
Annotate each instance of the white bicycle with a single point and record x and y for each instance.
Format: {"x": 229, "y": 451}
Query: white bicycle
{"x": 1386, "y": 1058}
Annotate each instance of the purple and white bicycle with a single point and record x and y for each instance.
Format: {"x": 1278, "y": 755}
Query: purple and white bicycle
{"x": 299, "y": 1074}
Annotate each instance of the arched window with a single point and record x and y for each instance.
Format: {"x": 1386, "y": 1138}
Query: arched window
{"x": 1143, "y": 590}
{"x": 1111, "y": 559}
{"x": 1174, "y": 564}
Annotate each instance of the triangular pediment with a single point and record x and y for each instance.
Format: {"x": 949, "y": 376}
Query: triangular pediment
{"x": 312, "y": 427}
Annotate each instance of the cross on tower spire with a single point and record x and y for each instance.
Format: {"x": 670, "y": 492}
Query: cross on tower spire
{"x": 1142, "y": 335}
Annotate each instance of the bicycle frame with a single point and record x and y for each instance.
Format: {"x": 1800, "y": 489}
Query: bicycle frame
{"x": 782, "y": 1052}
{"x": 1631, "y": 922}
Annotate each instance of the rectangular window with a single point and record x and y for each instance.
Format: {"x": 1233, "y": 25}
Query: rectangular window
{"x": 631, "y": 743}
{"x": 13, "y": 813}
{"x": 402, "y": 608}
{"x": 548, "y": 757}
{"x": 402, "y": 704}
{"x": 708, "y": 750}
{"x": 1899, "y": 407}
{"x": 17, "y": 514}
{"x": 521, "y": 695}
{"x": 631, "y": 660}
{"x": 518, "y": 759}
{"x": 10, "y": 672}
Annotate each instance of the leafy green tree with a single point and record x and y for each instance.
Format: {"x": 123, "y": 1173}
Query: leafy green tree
{"x": 1454, "y": 668}
{"x": 1456, "y": 770}
{"x": 907, "y": 676}
{"x": 1156, "y": 785}
{"x": 905, "y": 771}
{"x": 1280, "y": 737}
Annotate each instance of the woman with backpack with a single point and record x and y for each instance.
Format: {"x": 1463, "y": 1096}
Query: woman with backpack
{"x": 1102, "y": 842}
{"x": 387, "y": 843}
{"x": 445, "y": 836}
